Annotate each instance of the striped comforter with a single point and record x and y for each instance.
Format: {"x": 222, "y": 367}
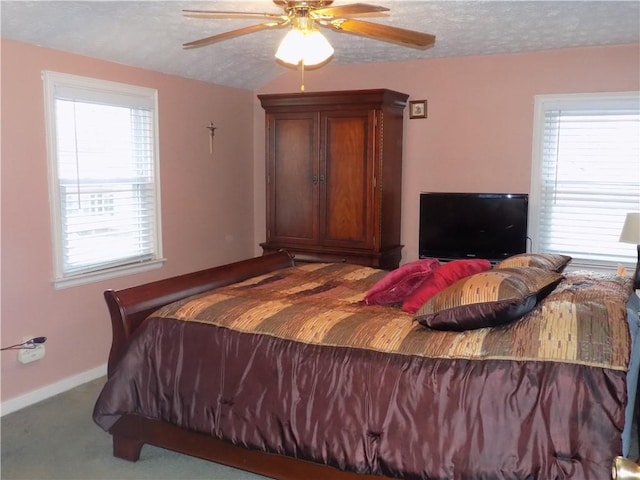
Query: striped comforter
{"x": 583, "y": 321}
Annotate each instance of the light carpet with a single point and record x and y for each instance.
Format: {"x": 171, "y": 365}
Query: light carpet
{"x": 57, "y": 439}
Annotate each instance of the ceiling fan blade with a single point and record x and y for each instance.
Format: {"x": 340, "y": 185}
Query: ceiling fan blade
{"x": 385, "y": 33}
{"x": 219, "y": 14}
{"x": 233, "y": 33}
{"x": 348, "y": 10}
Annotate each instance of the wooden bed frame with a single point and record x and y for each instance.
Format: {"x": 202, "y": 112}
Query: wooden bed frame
{"x": 128, "y": 309}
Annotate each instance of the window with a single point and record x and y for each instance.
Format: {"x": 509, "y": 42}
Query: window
{"x": 103, "y": 178}
{"x": 585, "y": 176}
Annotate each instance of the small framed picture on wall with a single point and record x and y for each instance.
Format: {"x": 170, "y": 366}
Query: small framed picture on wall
{"x": 418, "y": 109}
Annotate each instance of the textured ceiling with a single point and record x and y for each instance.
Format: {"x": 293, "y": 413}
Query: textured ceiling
{"x": 150, "y": 34}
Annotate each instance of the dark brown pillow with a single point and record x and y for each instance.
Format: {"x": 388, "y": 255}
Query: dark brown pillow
{"x": 549, "y": 261}
{"x": 487, "y": 299}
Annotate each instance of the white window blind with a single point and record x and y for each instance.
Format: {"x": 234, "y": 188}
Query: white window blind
{"x": 586, "y": 176}
{"x": 103, "y": 177}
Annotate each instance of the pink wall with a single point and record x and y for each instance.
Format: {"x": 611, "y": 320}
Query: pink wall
{"x": 199, "y": 227}
{"x": 479, "y": 130}
{"x": 477, "y": 138}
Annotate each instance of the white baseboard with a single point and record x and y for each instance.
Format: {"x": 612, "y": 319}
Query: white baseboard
{"x": 43, "y": 393}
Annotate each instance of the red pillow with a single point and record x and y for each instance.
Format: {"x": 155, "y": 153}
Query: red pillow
{"x": 398, "y": 283}
{"x": 446, "y": 275}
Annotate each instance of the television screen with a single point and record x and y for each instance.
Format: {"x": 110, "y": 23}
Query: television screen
{"x": 472, "y": 225}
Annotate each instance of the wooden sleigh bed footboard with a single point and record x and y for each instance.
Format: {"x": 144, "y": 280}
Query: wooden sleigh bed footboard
{"x": 129, "y": 307}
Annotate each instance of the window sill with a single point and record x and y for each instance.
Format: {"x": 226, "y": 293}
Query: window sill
{"x": 86, "y": 278}
{"x": 600, "y": 267}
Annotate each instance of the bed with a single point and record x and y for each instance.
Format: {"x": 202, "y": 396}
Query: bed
{"x": 284, "y": 370}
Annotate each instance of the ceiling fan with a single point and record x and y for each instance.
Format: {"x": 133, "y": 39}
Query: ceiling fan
{"x": 304, "y": 17}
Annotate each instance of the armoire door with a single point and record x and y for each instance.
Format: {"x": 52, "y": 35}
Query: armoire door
{"x": 292, "y": 178}
{"x": 346, "y": 178}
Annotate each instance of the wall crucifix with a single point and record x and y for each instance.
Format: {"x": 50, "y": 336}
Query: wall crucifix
{"x": 212, "y": 130}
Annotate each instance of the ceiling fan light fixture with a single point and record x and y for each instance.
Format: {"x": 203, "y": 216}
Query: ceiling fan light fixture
{"x": 308, "y": 47}
{"x": 317, "y": 49}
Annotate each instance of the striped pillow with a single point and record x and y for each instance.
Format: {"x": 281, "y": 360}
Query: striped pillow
{"x": 487, "y": 299}
{"x": 548, "y": 261}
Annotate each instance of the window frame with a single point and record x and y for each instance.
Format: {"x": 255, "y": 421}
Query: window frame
{"x": 101, "y": 88}
{"x": 543, "y": 103}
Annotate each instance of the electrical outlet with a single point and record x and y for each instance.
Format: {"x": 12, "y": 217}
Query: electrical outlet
{"x": 28, "y": 355}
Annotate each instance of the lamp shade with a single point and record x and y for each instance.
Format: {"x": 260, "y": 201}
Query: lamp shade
{"x": 631, "y": 229}
{"x": 309, "y": 47}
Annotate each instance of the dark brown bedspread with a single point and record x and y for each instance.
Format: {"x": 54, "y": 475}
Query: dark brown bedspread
{"x": 399, "y": 402}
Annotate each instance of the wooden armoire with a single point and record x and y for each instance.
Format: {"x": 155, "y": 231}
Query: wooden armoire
{"x": 334, "y": 175}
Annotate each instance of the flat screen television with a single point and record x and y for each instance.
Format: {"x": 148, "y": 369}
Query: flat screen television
{"x": 472, "y": 225}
